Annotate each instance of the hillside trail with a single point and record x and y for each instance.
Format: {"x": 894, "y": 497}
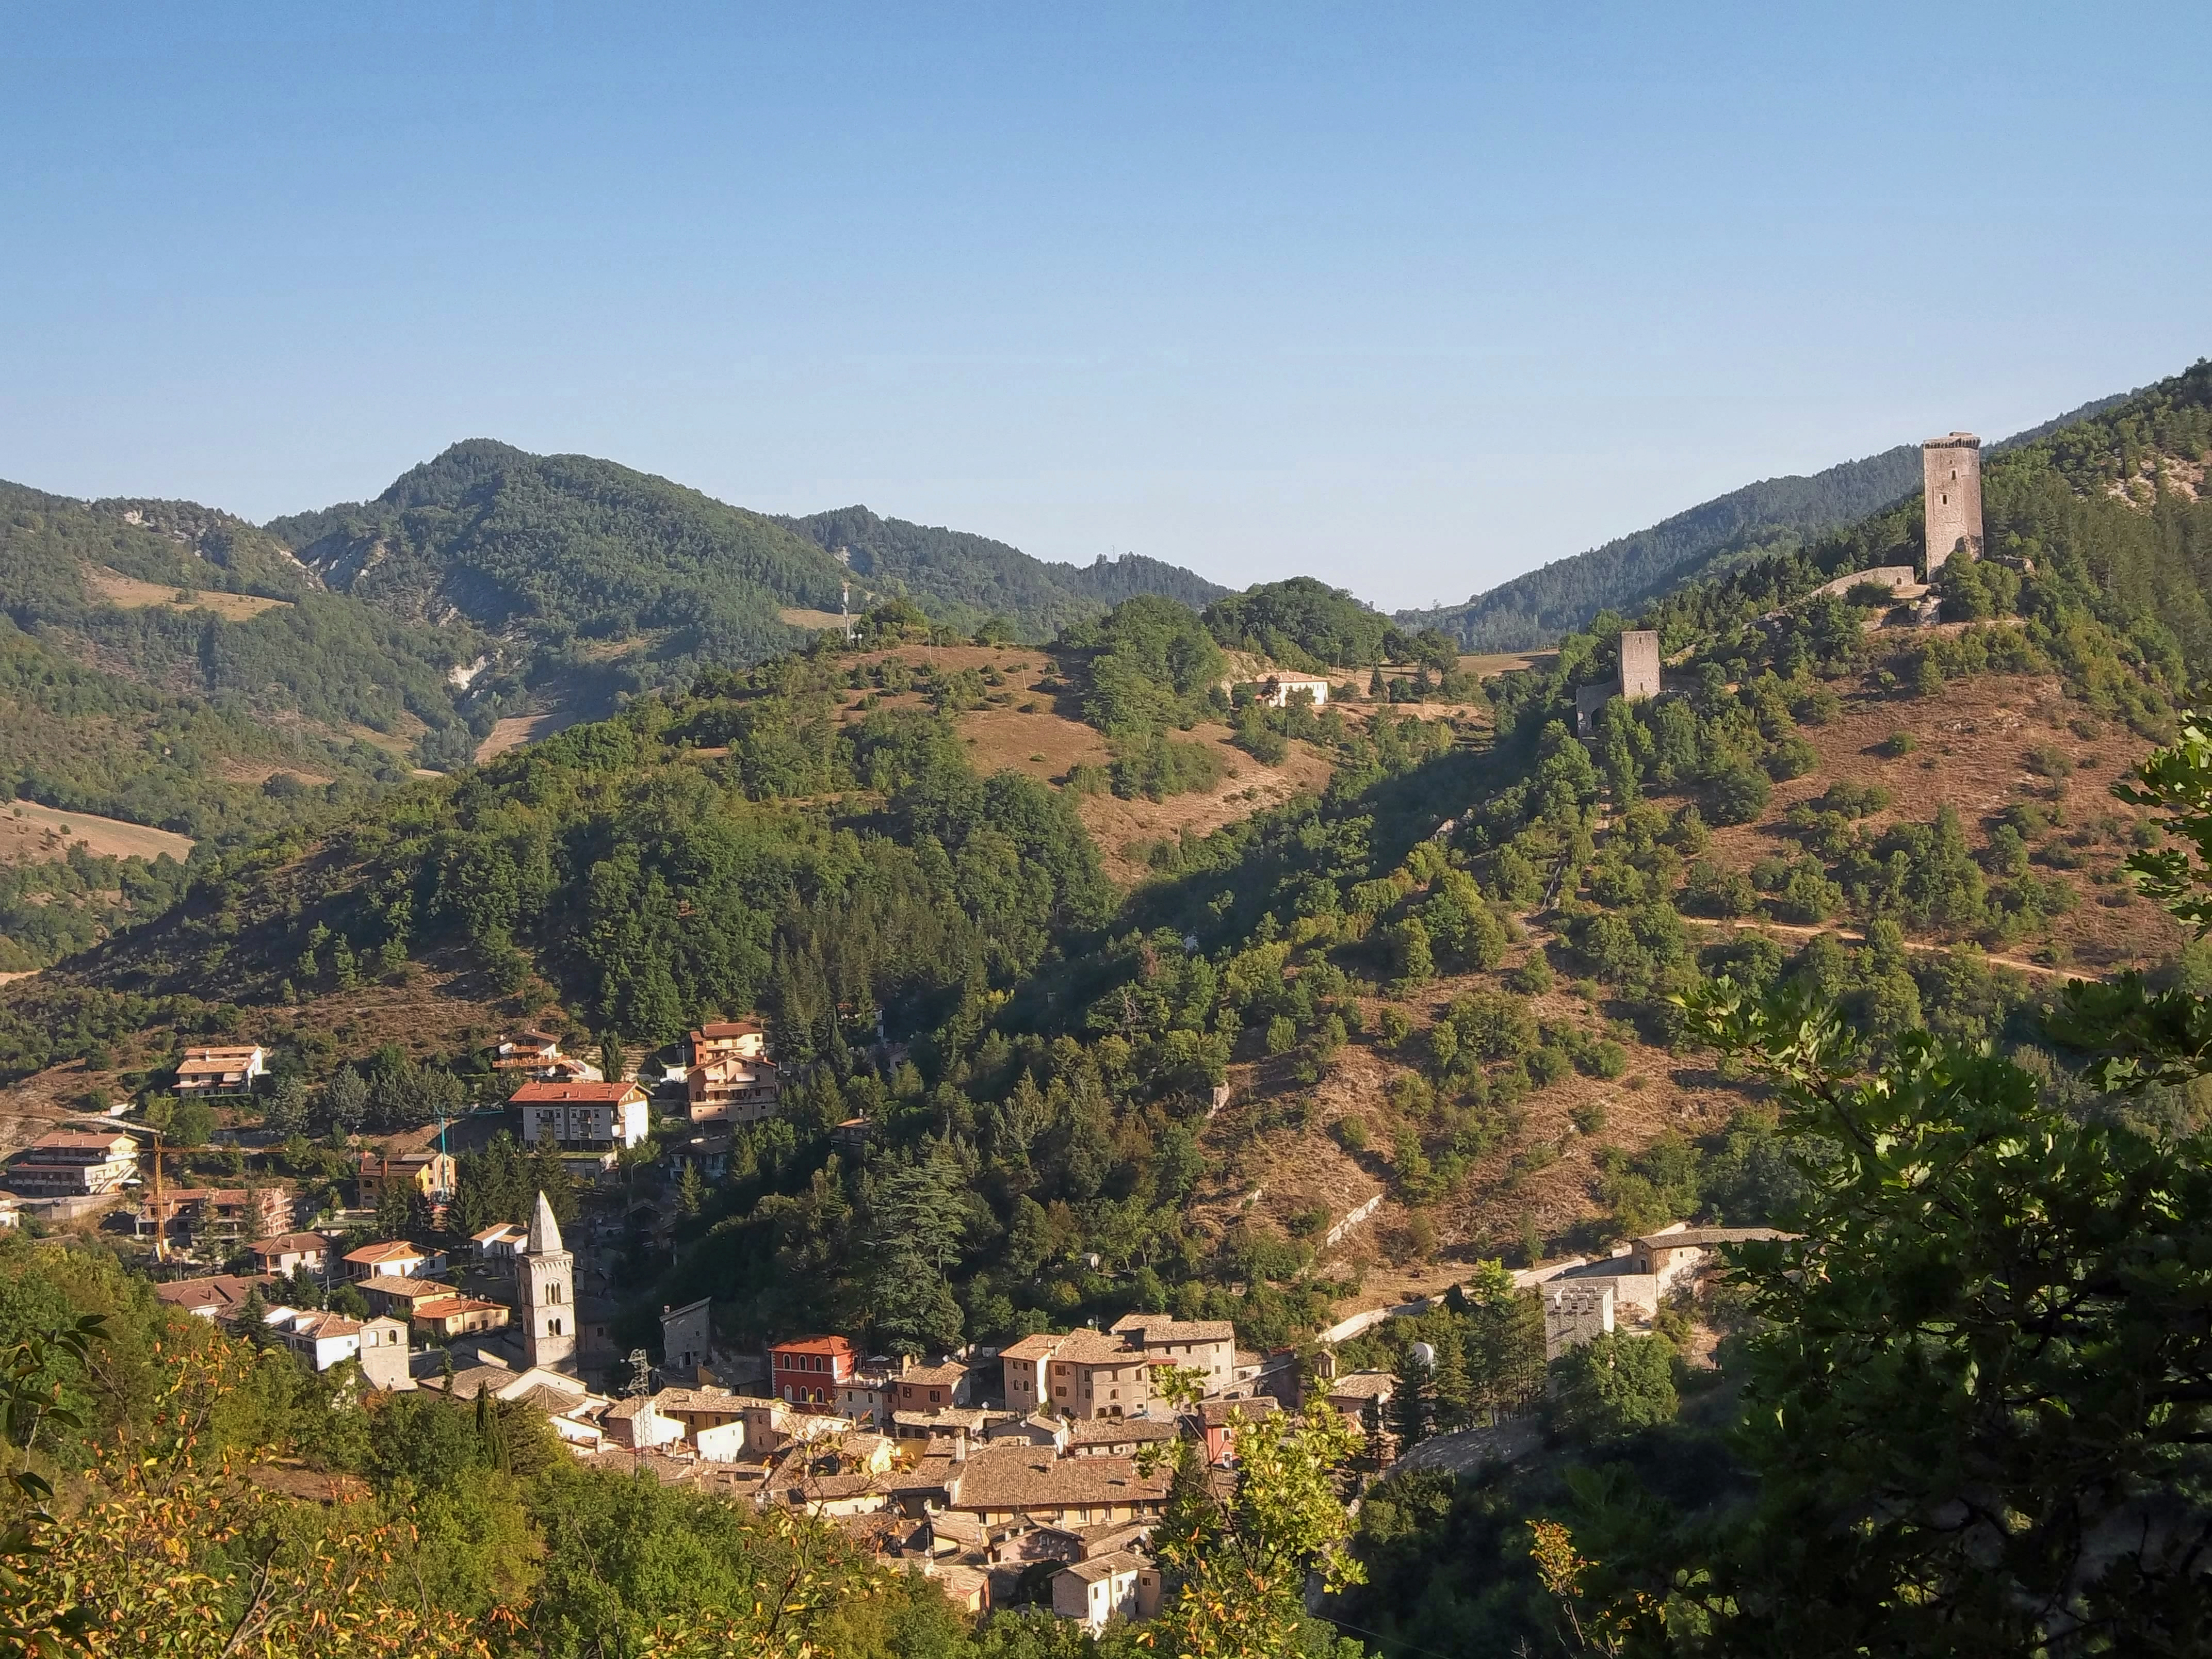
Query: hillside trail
{"x": 1537, "y": 921}
{"x": 1923, "y": 947}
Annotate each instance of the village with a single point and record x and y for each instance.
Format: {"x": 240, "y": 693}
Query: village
{"x": 1032, "y": 1472}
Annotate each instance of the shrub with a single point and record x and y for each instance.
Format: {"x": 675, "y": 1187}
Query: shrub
{"x": 2048, "y": 761}
{"x": 1394, "y": 1025}
{"x": 1532, "y": 977}
{"x": 1740, "y": 794}
{"x": 1792, "y": 757}
{"x": 1897, "y": 745}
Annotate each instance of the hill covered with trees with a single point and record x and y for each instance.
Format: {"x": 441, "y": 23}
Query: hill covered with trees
{"x": 1512, "y": 983}
{"x": 971, "y": 582}
{"x": 164, "y": 663}
{"x": 1774, "y": 515}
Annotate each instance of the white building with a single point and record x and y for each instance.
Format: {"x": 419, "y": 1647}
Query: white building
{"x": 1277, "y": 691}
{"x": 72, "y": 1164}
{"x": 581, "y": 1117}
{"x": 500, "y": 1241}
{"x": 321, "y": 1339}
{"x": 221, "y": 1071}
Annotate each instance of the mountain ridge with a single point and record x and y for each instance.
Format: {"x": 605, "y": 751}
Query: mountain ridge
{"x": 1770, "y": 515}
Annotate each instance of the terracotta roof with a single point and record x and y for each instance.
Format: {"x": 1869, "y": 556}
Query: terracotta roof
{"x": 1162, "y": 1327}
{"x": 1362, "y": 1385}
{"x": 1118, "y": 1430}
{"x": 466, "y": 1382}
{"x": 1042, "y": 1346}
{"x": 389, "y": 1249}
{"x": 669, "y": 1471}
{"x": 814, "y": 1345}
{"x": 947, "y": 1376}
{"x": 943, "y": 1419}
{"x": 1703, "y": 1236}
{"x": 806, "y": 1488}
{"x": 290, "y": 1244}
{"x": 726, "y": 1028}
{"x": 1105, "y": 1566}
{"x": 1013, "y": 1476}
{"x": 221, "y": 1291}
{"x": 79, "y": 1140}
{"x": 324, "y": 1324}
{"x": 444, "y": 1307}
{"x": 1215, "y": 1413}
{"x": 573, "y": 1094}
{"x": 414, "y": 1290}
{"x": 1097, "y": 1348}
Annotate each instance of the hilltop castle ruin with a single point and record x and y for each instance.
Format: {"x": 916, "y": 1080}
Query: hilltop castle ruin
{"x": 1951, "y": 474}
{"x": 1638, "y": 678}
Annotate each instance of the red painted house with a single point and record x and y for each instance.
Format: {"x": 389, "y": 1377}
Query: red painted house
{"x": 807, "y": 1370}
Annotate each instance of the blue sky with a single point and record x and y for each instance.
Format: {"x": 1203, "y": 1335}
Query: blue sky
{"x": 1411, "y": 298}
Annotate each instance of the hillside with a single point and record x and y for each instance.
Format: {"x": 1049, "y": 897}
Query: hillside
{"x": 162, "y": 664}
{"x": 967, "y": 580}
{"x": 1774, "y": 515}
{"x": 1432, "y": 959}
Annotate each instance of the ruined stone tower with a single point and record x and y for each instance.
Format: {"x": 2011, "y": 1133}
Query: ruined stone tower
{"x": 1638, "y": 678}
{"x": 545, "y": 1293}
{"x": 1951, "y": 470}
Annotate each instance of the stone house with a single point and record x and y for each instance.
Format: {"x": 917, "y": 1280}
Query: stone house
{"x": 1122, "y": 1585}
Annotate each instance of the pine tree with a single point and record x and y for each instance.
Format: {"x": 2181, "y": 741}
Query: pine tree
{"x": 1454, "y": 1393}
{"x": 1409, "y": 1402}
{"x": 345, "y": 1100}
{"x": 395, "y": 1209}
{"x": 690, "y": 1191}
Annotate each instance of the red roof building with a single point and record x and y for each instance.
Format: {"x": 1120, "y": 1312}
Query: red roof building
{"x": 807, "y": 1370}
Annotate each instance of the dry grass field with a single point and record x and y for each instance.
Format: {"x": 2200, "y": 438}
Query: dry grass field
{"x": 133, "y": 594}
{"x": 29, "y": 831}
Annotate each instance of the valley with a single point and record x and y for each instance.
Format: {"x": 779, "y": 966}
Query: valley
{"x": 1256, "y": 970}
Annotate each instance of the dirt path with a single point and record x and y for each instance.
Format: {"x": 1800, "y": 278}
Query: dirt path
{"x": 1924, "y": 947}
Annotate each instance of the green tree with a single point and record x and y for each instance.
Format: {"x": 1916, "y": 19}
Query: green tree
{"x": 395, "y": 1209}
{"x": 288, "y": 1108}
{"x": 1450, "y": 1385}
{"x": 1977, "y": 1402}
{"x": 345, "y": 1101}
{"x": 1615, "y": 1385}
{"x": 1236, "y": 1566}
{"x": 1409, "y": 1400}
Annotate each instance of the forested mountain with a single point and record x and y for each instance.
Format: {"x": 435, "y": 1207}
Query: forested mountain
{"x": 167, "y": 664}
{"x": 1772, "y": 516}
{"x": 967, "y": 580}
{"x": 548, "y": 548}
{"x": 1467, "y": 972}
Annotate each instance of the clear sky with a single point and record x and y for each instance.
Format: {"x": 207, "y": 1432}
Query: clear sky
{"x": 1412, "y": 298}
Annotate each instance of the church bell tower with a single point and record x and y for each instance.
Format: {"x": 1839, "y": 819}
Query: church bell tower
{"x": 545, "y": 1293}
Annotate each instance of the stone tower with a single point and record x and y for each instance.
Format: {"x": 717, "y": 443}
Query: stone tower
{"x": 1951, "y": 471}
{"x": 545, "y": 1293}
